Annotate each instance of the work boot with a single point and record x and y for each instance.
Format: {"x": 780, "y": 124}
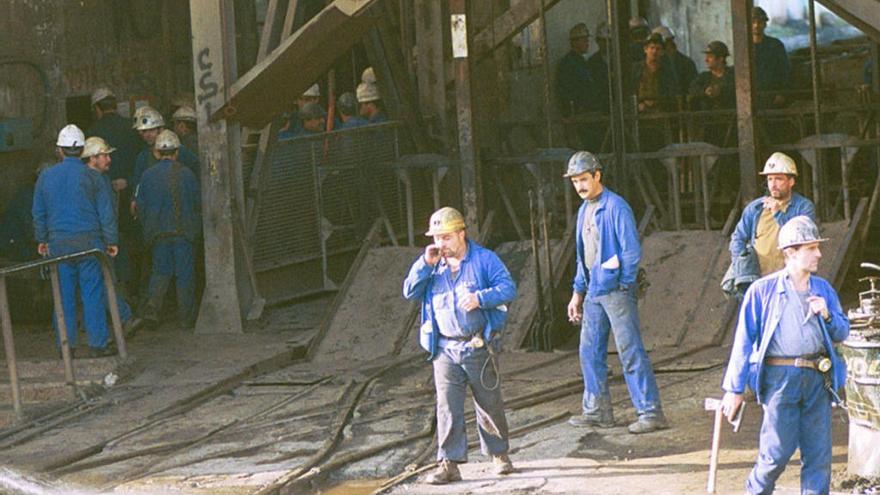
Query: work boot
{"x": 101, "y": 352}
{"x": 446, "y": 472}
{"x": 647, "y": 424}
{"x": 131, "y": 326}
{"x": 502, "y": 464}
{"x": 602, "y": 419}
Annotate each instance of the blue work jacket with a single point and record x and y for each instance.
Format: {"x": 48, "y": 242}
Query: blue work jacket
{"x": 759, "y": 318}
{"x": 146, "y": 160}
{"x": 618, "y": 236}
{"x": 156, "y": 204}
{"x": 73, "y": 209}
{"x": 745, "y": 230}
{"x": 481, "y": 268}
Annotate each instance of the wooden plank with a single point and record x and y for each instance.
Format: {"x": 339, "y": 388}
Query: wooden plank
{"x": 297, "y": 63}
{"x": 432, "y": 70}
{"x": 271, "y": 28}
{"x": 220, "y": 310}
{"x": 290, "y": 19}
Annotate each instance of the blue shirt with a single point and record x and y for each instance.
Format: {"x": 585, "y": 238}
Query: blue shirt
{"x": 759, "y": 319}
{"x": 744, "y": 233}
{"x": 618, "y": 245}
{"x": 352, "y": 122}
{"x": 794, "y": 337}
{"x": 481, "y": 272}
{"x": 73, "y": 209}
{"x": 156, "y": 199}
{"x": 146, "y": 160}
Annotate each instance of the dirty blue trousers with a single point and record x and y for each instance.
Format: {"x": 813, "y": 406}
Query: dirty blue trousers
{"x": 797, "y": 413}
{"x": 457, "y": 367}
{"x": 616, "y": 312}
{"x": 86, "y": 274}
{"x": 172, "y": 257}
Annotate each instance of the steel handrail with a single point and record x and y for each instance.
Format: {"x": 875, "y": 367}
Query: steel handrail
{"x": 6, "y": 319}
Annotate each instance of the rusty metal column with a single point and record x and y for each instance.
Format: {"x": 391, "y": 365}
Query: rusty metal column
{"x": 62, "y": 329}
{"x": 221, "y": 308}
{"x": 9, "y": 347}
{"x": 817, "y": 117}
{"x": 470, "y": 164}
{"x": 617, "y": 112}
{"x": 743, "y": 54}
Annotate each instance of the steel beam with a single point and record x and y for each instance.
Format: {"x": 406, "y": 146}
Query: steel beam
{"x": 743, "y": 54}
{"x": 468, "y": 159}
{"x": 432, "y": 70}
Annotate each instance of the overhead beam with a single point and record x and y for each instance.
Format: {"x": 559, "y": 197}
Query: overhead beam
{"x": 297, "y": 63}
{"x": 863, "y": 14}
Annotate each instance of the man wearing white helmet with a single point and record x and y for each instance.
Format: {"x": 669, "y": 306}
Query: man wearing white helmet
{"x": 73, "y": 212}
{"x": 184, "y": 120}
{"x": 96, "y": 156}
{"x": 118, "y": 133}
{"x": 293, "y": 127}
{"x": 758, "y": 228}
{"x": 783, "y": 350}
{"x": 604, "y": 301}
{"x": 167, "y": 203}
{"x": 464, "y": 289}
{"x": 149, "y": 125}
{"x": 685, "y": 68}
{"x": 370, "y": 103}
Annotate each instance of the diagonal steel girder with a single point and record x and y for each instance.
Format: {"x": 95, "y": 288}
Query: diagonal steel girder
{"x": 863, "y": 14}
{"x": 269, "y": 87}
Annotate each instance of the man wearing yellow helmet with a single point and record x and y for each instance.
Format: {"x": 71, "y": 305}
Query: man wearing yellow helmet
{"x": 464, "y": 289}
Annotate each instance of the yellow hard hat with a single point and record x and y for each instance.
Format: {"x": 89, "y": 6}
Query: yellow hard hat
{"x": 444, "y": 221}
{"x": 779, "y": 163}
{"x": 96, "y": 146}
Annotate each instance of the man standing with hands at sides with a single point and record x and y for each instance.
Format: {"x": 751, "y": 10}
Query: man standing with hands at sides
{"x": 784, "y": 350}
{"x": 608, "y": 254}
{"x": 464, "y": 289}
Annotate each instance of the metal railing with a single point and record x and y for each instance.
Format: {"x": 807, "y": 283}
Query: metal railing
{"x": 6, "y": 319}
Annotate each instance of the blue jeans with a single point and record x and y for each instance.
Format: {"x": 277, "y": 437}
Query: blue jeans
{"x": 85, "y": 273}
{"x": 616, "y": 311}
{"x": 455, "y": 368}
{"x": 172, "y": 257}
{"x": 797, "y": 413}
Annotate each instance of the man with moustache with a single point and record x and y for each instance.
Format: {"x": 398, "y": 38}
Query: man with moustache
{"x": 464, "y": 289}
{"x": 758, "y": 228}
{"x": 783, "y": 350}
{"x": 604, "y": 301}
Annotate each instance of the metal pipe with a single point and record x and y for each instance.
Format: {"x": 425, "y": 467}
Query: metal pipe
{"x": 817, "y": 118}
{"x": 62, "y": 328}
{"x": 547, "y": 340}
{"x": 536, "y": 255}
{"x": 617, "y": 118}
{"x": 114, "y": 307}
{"x": 844, "y": 177}
{"x": 9, "y": 347}
{"x": 546, "y": 66}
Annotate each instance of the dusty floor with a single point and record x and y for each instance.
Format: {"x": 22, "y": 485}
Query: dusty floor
{"x": 239, "y": 414}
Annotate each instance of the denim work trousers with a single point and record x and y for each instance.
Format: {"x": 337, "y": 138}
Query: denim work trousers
{"x": 172, "y": 257}
{"x": 86, "y": 274}
{"x": 797, "y": 413}
{"x": 455, "y": 368}
{"x": 616, "y": 311}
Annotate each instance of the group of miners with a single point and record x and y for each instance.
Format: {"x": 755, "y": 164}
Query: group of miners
{"x": 364, "y": 107}
{"x": 661, "y": 75}
{"x": 783, "y": 348}
{"x": 129, "y": 187}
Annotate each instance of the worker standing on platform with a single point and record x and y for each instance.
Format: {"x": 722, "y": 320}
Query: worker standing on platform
{"x": 73, "y": 212}
{"x": 464, "y": 289}
{"x": 784, "y": 350}
{"x": 758, "y": 228}
{"x": 604, "y": 300}
{"x": 185, "y": 126}
{"x": 167, "y": 203}
{"x": 149, "y": 125}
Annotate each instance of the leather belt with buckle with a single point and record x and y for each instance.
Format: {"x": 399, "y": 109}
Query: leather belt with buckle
{"x": 822, "y": 364}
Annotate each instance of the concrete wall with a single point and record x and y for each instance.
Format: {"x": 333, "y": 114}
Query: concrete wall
{"x": 139, "y": 49}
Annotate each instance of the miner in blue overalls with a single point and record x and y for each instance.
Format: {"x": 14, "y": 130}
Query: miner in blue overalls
{"x": 73, "y": 212}
{"x": 604, "y": 301}
{"x": 784, "y": 350}
{"x": 464, "y": 289}
{"x": 167, "y": 202}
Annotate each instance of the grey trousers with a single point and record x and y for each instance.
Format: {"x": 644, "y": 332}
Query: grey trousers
{"x": 455, "y": 368}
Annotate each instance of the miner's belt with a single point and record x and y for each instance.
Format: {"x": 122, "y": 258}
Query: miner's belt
{"x": 797, "y": 362}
